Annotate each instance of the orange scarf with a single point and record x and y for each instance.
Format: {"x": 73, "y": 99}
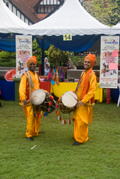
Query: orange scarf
{"x": 85, "y": 84}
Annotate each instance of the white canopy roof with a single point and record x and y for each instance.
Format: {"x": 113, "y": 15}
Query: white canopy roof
{"x": 9, "y": 22}
{"x": 71, "y": 18}
{"x": 115, "y": 29}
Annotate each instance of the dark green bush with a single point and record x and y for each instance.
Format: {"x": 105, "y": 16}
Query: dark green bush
{"x": 11, "y": 63}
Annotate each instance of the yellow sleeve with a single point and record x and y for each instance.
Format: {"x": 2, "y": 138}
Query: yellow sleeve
{"x": 22, "y": 88}
{"x": 36, "y": 82}
{"x": 92, "y": 88}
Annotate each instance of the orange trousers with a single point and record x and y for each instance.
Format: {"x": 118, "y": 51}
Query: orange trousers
{"x": 82, "y": 116}
{"x": 33, "y": 123}
{"x": 80, "y": 131}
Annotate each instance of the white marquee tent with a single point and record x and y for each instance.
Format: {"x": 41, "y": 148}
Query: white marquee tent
{"x": 71, "y": 18}
{"x": 115, "y": 30}
{"x": 9, "y": 22}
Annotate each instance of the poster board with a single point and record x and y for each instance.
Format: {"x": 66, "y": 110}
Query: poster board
{"x": 23, "y": 53}
{"x": 109, "y": 61}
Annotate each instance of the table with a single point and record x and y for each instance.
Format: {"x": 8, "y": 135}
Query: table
{"x": 69, "y": 86}
{"x": 60, "y": 89}
{"x": 7, "y": 90}
{"x": 10, "y": 90}
{"x": 45, "y": 85}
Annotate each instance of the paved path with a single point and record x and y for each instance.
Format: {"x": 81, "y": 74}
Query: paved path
{"x": 70, "y": 73}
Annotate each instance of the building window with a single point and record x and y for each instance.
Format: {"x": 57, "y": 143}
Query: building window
{"x": 49, "y": 2}
{"x": 22, "y": 17}
{"x": 18, "y": 13}
{"x": 49, "y": 9}
{"x": 10, "y": 6}
{"x": 26, "y": 21}
{"x": 14, "y": 10}
{"x": 42, "y": 9}
{"x": 45, "y": 9}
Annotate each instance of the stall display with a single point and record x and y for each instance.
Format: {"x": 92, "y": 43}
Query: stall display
{"x": 7, "y": 90}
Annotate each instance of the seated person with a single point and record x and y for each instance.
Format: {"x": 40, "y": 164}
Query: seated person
{"x": 70, "y": 64}
{"x": 46, "y": 66}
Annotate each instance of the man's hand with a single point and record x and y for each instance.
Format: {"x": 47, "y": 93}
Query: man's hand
{"x": 74, "y": 92}
{"x": 25, "y": 101}
{"x": 80, "y": 103}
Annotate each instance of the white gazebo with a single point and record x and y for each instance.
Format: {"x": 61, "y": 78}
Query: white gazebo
{"x": 9, "y": 22}
{"x": 71, "y": 18}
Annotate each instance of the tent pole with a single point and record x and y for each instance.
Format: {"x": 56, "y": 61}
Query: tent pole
{"x": 43, "y": 57}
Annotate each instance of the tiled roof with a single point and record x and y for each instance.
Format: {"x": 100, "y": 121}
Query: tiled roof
{"x": 27, "y": 8}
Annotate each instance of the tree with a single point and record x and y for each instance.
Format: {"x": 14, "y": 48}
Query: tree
{"x": 104, "y": 11}
{"x": 56, "y": 56}
{"x": 115, "y": 12}
{"x": 37, "y": 50}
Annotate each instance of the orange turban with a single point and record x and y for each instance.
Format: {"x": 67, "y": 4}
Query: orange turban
{"x": 30, "y": 60}
{"x": 91, "y": 58}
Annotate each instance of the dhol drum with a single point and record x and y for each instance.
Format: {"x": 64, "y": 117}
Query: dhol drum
{"x": 42, "y": 101}
{"x": 68, "y": 102}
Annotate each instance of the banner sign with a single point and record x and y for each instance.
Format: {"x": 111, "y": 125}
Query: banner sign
{"x": 67, "y": 37}
{"x": 109, "y": 61}
{"x": 23, "y": 53}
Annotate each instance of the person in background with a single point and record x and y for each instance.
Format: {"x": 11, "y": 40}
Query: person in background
{"x": 46, "y": 66}
{"x": 70, "y": 64}
{"x": 85, "y": 92}
{"x": 30, "y": 82}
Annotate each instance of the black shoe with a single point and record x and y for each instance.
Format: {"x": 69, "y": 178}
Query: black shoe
{"x": 76, "y": 143}
{"x": 41, "y": 132}
{"x": 30, "y": 138}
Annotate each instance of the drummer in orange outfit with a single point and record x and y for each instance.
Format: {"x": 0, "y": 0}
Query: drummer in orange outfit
{"x": 30, "y": 82}
{"x": 85, "y": 93}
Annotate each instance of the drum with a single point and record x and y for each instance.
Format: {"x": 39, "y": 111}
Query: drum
{"x": 42, "y": 101}
{"x": 68, "y": 102}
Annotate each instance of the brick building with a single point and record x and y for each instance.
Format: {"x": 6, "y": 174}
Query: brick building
{"x": 33, "y": 11}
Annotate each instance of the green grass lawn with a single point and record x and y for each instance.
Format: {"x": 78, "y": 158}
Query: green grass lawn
{"x": 54, "y": 157}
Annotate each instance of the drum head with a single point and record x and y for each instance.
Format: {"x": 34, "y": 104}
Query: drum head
{"x": 69, "y": 99}
{"x": 37, "y": 97}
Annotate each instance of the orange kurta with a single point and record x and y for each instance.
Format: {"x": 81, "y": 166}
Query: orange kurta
{"x": 33, "y": 123}
{"x": 83, "y": 114}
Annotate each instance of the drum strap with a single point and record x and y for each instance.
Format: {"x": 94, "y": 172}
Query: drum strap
{"x": 79, "y": 81}
{"x": 31, "y": 80}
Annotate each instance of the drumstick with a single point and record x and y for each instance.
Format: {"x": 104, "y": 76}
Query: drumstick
{"x": 74, "y": 97}
{"x": 31, "y": 98}
{"x": 79, "y": 82}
